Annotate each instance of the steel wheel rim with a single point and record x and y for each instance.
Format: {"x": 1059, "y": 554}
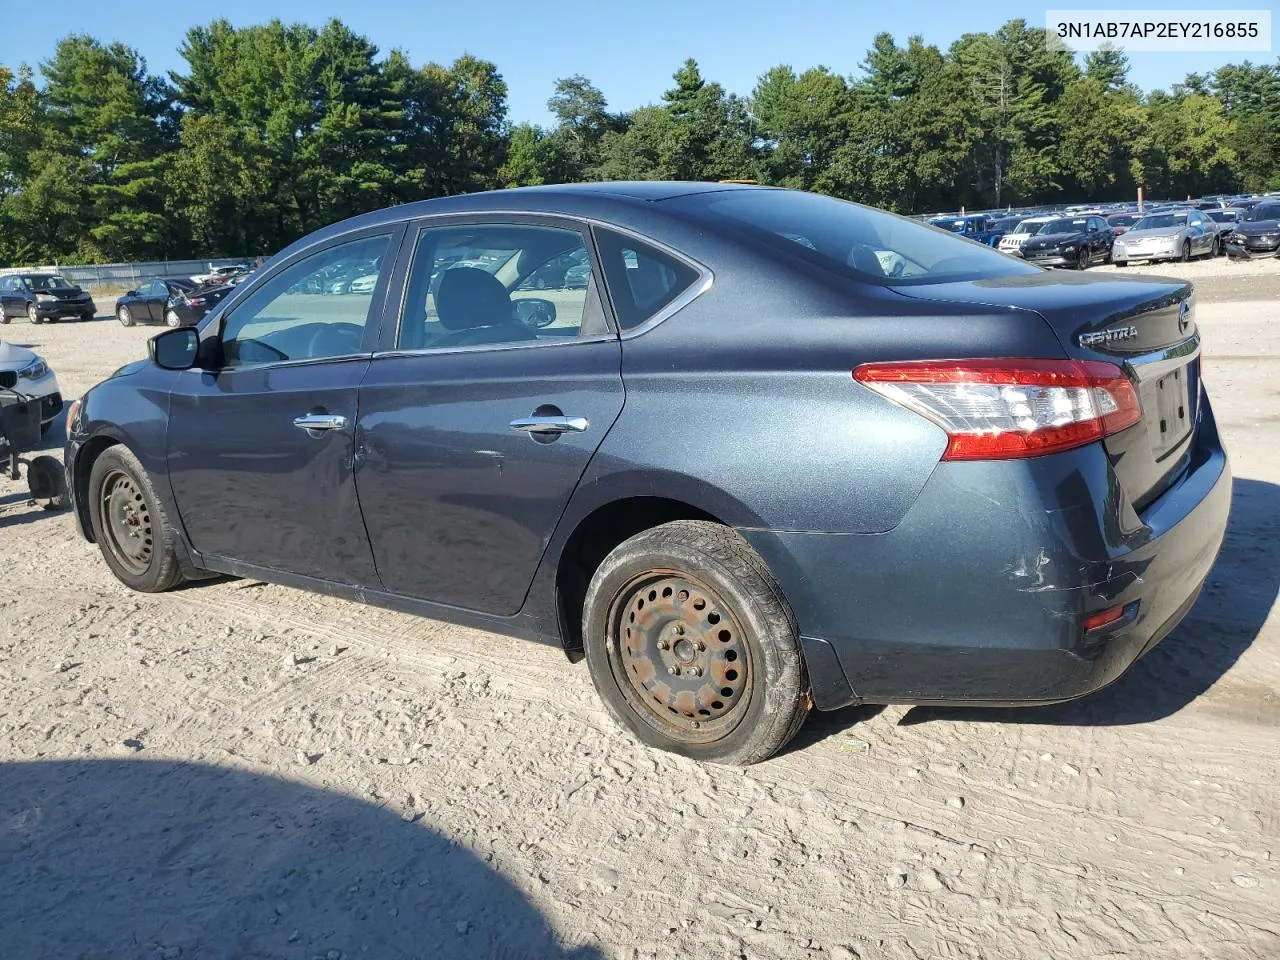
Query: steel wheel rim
{"x": 123, "y": 315}
{"x": 172, "y": 319}
{"x": 680, "y": 656}
{"x": 32, "y": 314}
{"x": 126, "y": 521}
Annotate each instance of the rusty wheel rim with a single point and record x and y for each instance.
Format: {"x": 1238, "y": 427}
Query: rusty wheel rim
{"x": 127, "y": 522}
{"x": 680, "y": 656}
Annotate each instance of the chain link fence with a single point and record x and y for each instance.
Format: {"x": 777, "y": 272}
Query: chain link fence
{"x": 124, "y": 276}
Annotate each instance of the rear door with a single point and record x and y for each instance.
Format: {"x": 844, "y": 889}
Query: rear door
{"x": 481, "y": 411}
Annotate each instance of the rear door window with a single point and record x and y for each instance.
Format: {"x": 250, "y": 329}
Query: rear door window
{"x": 642, "y": 280}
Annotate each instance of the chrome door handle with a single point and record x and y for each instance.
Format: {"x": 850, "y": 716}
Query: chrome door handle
{"x": 315, "y": 423}
{"x": 551, "y": 424}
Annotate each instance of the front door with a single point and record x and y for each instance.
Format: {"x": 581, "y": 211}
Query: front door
{"x": 154, "y": 297}
{"x": 262, "y": 450}
{"x": 480, "y": 418}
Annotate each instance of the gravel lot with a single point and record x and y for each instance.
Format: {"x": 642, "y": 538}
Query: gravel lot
{"x": 243, "y": 770}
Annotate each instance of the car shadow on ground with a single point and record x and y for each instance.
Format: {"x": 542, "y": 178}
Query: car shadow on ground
{"x": 1238, "y": 596}
{"x": 133, "y": 858}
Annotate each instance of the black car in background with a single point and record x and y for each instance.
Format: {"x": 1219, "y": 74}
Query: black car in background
{"x": 43, "y": 297}
{"x": 1258, "y": 232}
{"x": 175, "y": 303}
{"x": 1070, "y": 242}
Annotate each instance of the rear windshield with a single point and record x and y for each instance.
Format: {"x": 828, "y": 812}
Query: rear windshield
{"x": 1123, "y": 219}
{"x": 1223, "y": 216}
{"x": 851, "y": 239}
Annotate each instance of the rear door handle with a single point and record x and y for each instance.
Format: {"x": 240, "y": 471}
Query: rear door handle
{"x": 551, "y": 424}
{"x": 317, "y": 423}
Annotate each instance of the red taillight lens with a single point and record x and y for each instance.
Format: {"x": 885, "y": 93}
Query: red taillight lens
{"x": 196, "y": 301}
{"x": 1001, "y": 409}
{"x": 1104, "y": 618}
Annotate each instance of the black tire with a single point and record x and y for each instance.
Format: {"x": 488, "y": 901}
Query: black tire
{"x": 1120, "y": 263}
{"x": 125, "y": 317}
{"x": 1213, "y": 249}
{"x": 1082, "y": 259}
{"x": 742, "y": 693}
{"x": 86, "y": 317}
{"x": 152, "y": 566}
{"x": 32, "y": 313}
{"x": 4, "y": 315}
{"x": 1186, "y": 251}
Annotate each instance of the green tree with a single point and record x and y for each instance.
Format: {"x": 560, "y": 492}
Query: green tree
{"x": 102, "y": 108}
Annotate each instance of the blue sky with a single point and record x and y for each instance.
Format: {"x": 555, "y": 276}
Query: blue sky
{"x": 628, "y": 49}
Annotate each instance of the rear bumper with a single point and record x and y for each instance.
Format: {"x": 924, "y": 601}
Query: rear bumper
{"x": 978, "y": 596}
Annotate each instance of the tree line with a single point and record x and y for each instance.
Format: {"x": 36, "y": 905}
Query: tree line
{"x": 272, "y": 131}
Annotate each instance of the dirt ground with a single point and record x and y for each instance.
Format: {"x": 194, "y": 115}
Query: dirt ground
{"x": 248, "y": 771}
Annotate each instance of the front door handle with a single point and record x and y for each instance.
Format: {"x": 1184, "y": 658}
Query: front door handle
{"x": 317, "y": 423}
{"x": 551, "y": 425}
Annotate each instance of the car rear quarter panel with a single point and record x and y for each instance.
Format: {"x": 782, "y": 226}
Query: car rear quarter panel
{"x": 749, "y": 392}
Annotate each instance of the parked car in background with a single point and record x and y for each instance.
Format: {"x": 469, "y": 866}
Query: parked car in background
{"x": 220, "y": 274}
{"x": 975, "y": 226}
{"x": 1012, "y": 242}
{"x": 1176, "y": 235}
{"x": 1075, "y": 241}
{"x": 43, "y": 297}
{"x": 1226, "y": 221}
{"x": 1120, "y": 223}
{"x": 1258, "y": 232}
{"x": 1009, "y": 497}
{"x": 175, "y": 303}
{"x": 35, "y": 379}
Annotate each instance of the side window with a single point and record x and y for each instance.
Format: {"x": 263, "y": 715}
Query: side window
{"x": 642, "y": 280}
{"x": 315, "y": 308}
{"x": 488, "y": 284}
{"x": 155, "y": 288}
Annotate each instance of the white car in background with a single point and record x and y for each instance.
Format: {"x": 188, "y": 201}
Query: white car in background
{"x": 1012, "y": 241}
{"x": 35, "y": 379}
{"x": 220, "y": 273}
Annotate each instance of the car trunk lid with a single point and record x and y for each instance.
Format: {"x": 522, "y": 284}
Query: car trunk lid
{"x": 1144, "y": 324}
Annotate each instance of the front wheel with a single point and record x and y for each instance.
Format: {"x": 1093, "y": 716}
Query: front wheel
{"x": 32, "y": 313}
{"x": 1186, "y": 251}
{"x": 1120, "y": 263}
{"x": 692, "y": 647}
{"x": 129, "y": 523}
{"x": 125, "y": 317}
{"x": 1082, "y": 259}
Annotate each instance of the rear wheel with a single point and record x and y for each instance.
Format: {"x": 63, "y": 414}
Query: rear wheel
{"x": 692, "y": 647}
{"x": 130, "y": 525}
{"x": 171, "y": 319}
{"x": 1213, "y": 248}
{"x": 125, "y": 317}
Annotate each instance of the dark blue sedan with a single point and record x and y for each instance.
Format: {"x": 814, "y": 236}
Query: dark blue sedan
{"x": 768, "y": 451}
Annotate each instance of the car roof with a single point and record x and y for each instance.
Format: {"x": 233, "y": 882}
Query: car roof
{"x": 608, "y": 201}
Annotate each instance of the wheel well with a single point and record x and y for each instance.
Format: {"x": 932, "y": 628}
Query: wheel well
{"x": 593, "y": 539}
{"x": 84, "y": 465}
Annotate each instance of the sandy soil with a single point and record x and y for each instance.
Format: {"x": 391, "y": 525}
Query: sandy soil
{"x": 242, "y": 770}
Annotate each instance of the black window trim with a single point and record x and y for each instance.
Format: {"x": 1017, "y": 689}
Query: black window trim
{"x": 512, "y": 218}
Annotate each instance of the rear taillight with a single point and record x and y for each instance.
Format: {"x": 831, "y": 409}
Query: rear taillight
{"x": 1001, "y": 409}
{"x": 196, "y": 301}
